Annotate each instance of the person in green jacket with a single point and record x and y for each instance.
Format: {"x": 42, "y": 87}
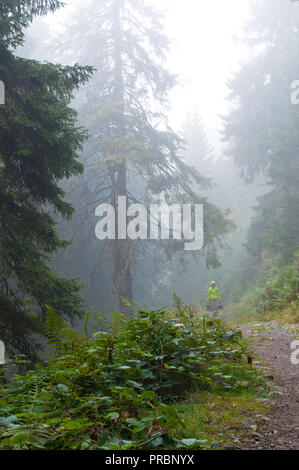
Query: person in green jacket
{"x": 214, "y": 298}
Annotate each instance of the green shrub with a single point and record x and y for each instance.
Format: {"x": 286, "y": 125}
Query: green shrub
{"x": 114, "y": 390}
{"x": 275, "y": 292}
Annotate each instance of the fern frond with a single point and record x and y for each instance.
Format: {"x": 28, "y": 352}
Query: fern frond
{"x": 60, "y": 335}
{"x": 54, "y": 326}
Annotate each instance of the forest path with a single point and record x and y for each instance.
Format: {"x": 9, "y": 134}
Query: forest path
{"x": 271, "y": 347}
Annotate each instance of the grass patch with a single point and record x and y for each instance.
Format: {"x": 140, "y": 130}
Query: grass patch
{"x": 288, "y": 316}
{"x": 222, "y": 418}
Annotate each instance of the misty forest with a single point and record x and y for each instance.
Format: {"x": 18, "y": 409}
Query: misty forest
{"x": 149, "y": 225}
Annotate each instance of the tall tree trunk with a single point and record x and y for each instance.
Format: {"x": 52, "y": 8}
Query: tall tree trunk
{"x": 122, "y": 250}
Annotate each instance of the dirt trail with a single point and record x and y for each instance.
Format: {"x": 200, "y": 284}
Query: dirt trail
{"x": 271, "y": 343}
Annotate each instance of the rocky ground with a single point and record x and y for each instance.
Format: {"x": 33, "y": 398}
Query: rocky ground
{"x": 271, "y": 349}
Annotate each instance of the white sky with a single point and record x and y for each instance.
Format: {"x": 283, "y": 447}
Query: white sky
{"x": 204, "y": 52}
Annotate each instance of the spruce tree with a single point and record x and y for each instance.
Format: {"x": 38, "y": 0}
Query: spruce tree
{"x": 132, "y": 151}
{"x": 262, "y": 127}
{"x": 198, "y": 152}
{"x": 39, "y": 145}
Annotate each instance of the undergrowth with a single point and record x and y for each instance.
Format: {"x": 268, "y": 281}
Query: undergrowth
{"x": 118, "y": 387}
{"x": 274, "y": 298}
